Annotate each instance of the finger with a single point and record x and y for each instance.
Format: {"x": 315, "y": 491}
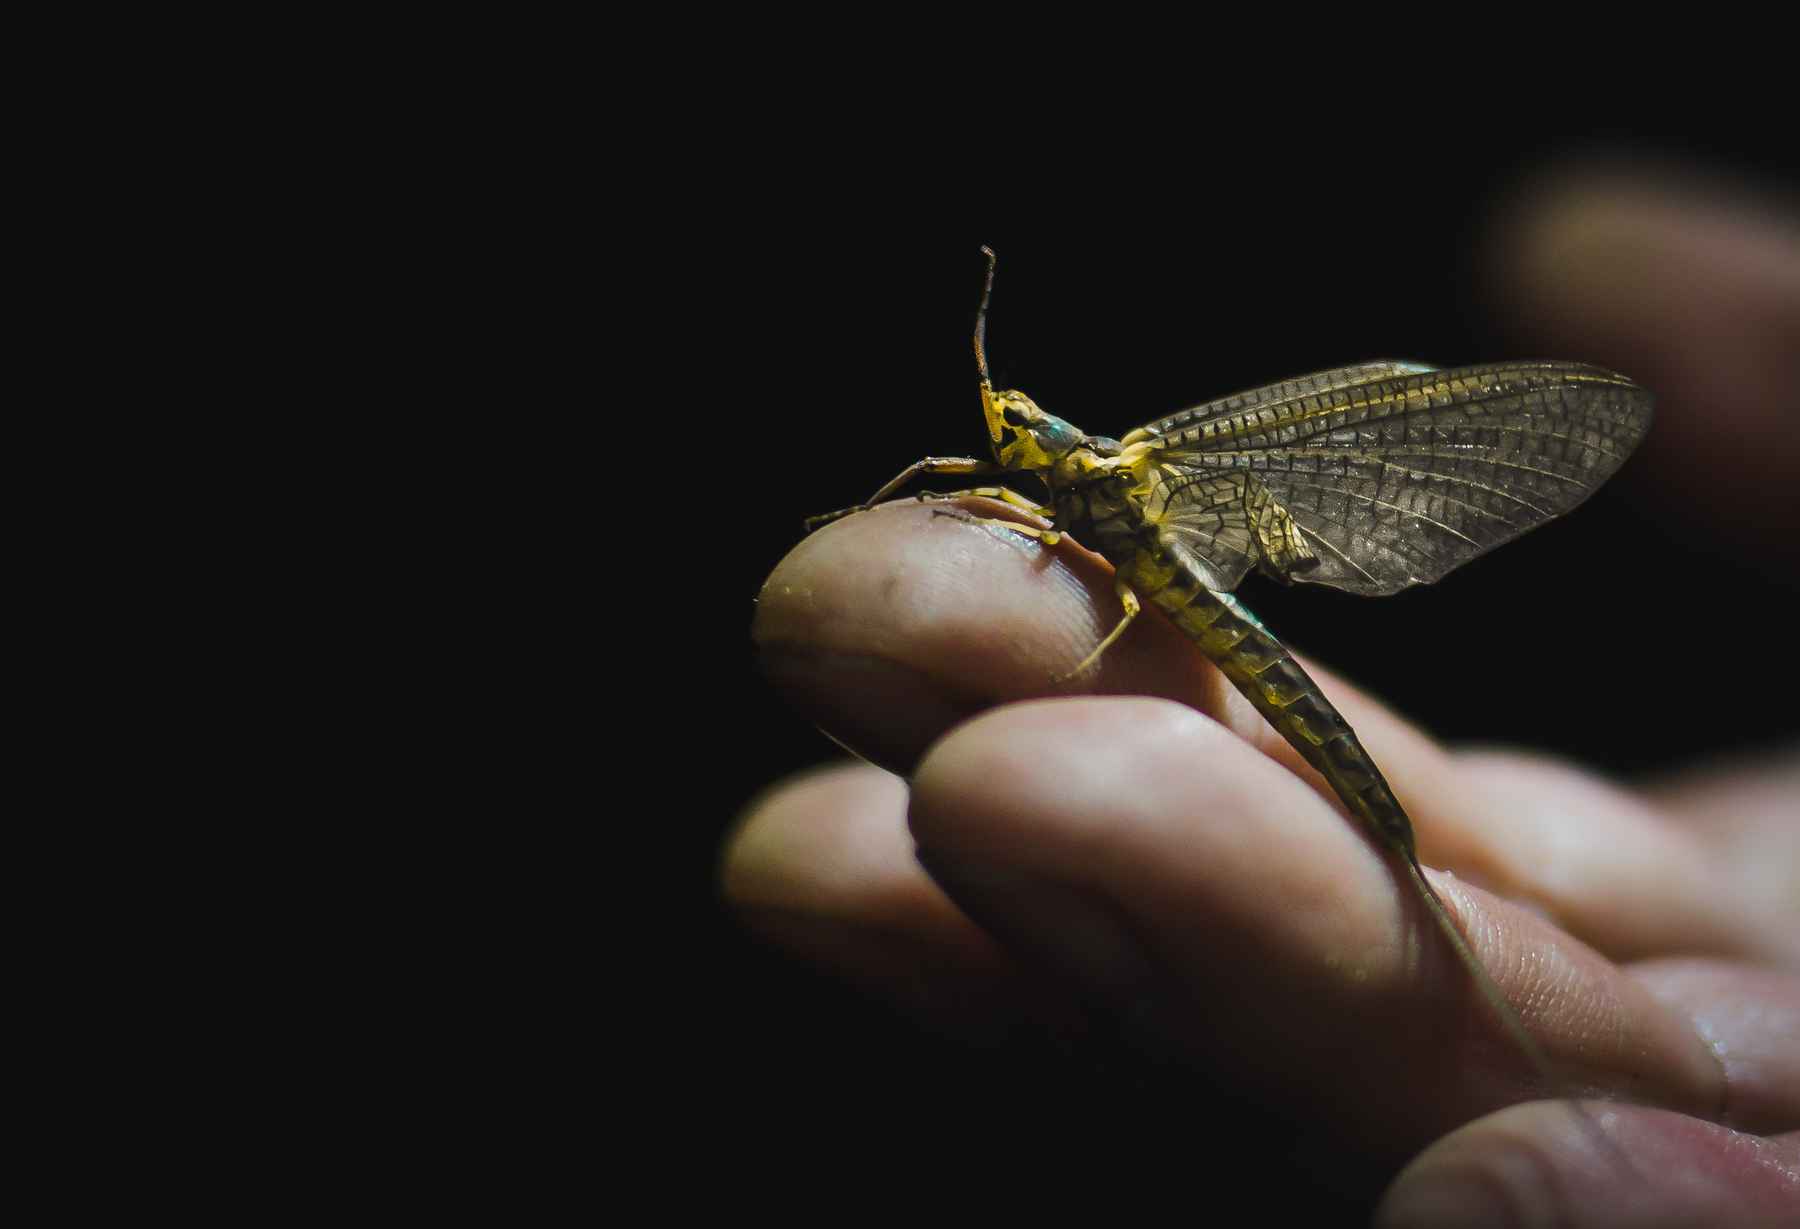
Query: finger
{"x": 1602, "y": 861}
{"x": 1693, "y": 287}
{"x": 1541, "y": 1164}
{"x": 833, "y": 844}
{"x": 891, "y": 626}
{"x": 824, "y": 867}
{"x": 1750, "y": 1018}
{"x": 1742, "y": 814}
{"x": 1229, "y": 910}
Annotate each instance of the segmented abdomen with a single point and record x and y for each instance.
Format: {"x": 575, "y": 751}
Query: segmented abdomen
{"x": 1260, "y": 667}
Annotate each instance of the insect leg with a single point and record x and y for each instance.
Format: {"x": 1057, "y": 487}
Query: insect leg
{"x": 1129, "y": 601}
{"x": 930, "y": 465}
{"x": 1003, "y": 494}
{"x": 1049, "y": 537}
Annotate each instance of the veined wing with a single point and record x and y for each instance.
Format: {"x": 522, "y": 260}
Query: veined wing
{"x": 1371, "y": 485}
{"x": 1280, "y": 393}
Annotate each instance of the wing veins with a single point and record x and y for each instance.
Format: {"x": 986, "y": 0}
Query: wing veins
{"x": 1366, "y": 457}
{"x": 1474, "y": 509}
{"x": 1330, "y": 546}
{"x": 1423, "y": 478}
{"x": 1391, "y": 404}
{"x": 1377, "y": 458}
{"x": 1306, "y": 514}
{"x": 1307, "y": 518}
{"x": 1301, "y": 444}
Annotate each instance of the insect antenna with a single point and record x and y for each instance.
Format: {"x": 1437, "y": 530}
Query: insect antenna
{"x": 987, "y": 292}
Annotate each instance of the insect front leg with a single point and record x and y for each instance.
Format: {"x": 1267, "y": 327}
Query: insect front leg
{"x": 1003, "y": 494}
{"x": 929, "y": 465}
{"x": 1049, "y": 537}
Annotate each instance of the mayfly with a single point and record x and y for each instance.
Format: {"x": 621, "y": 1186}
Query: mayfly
{"x": 1369, "y": 478}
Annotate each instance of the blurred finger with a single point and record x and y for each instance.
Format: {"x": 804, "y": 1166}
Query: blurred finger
{"x": 1617, "y": 1167}
{"x": 1692, "y": 287}
{"x": 824, "y": 867}
{"x": 1605, "y": 863}
{"x": 1741, "y": 813}
{"x": 1750, "y": 1018}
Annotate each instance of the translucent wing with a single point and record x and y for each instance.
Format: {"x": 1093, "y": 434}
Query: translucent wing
{"x": 1299, "y": 387}
{"x": 1389, "y": 474}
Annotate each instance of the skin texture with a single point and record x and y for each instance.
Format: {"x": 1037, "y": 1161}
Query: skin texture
{"x": 1116, "y": 849}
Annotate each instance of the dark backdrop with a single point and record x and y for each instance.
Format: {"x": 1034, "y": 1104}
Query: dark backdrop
{"x": 1134, "y": 279}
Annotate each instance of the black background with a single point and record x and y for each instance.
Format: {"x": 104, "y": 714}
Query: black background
{"x": 1136, "y": 277}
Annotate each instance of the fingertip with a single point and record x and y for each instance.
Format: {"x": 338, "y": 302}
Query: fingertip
{"x": 815, "y": 842}
{"x": 1749, "y": 1018}
{"x": 1219, "y": 856}
{"x": 831, "y": 848}
{"x": 1580, "y": 1164}
{"x": 823, "y": 867}
{"x": 893, "y": 625}
{"x": 926, "y": 586}
{"x": 1092, "y": 785}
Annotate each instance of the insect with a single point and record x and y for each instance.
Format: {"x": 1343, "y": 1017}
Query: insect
{"x": 1369, "y": 478}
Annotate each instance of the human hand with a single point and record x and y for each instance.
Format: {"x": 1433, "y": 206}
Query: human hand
{"x": 1188, "y": 871}
{"x": 1176, "y": 862}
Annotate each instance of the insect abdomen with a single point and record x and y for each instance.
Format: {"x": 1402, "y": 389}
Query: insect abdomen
{"x": 1260, "y": 667}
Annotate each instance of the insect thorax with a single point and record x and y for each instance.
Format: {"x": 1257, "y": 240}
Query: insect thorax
{"x": 1099, "y": 501}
